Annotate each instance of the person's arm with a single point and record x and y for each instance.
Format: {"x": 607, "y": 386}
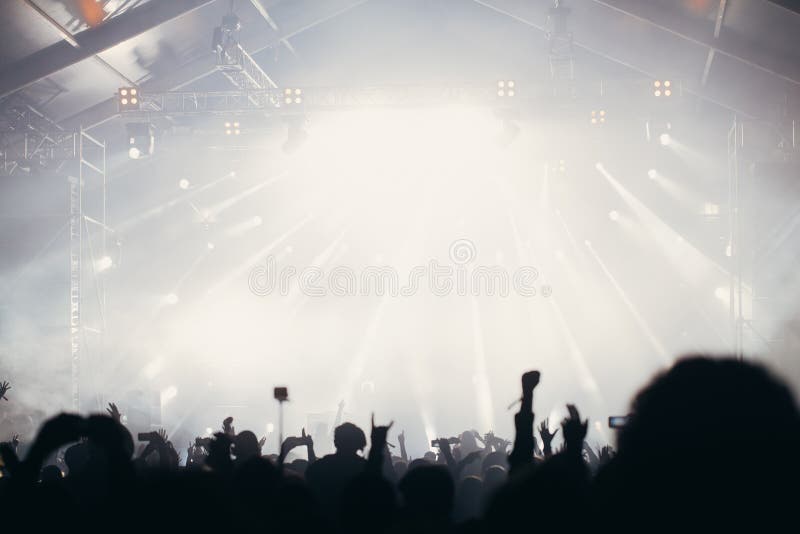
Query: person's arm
{"x": 4, "y": 387}
{"x": 447, "y": 454}
{"x": 401, "y": 440}
{"x": 522, "y": 454}
{"x": 574, "y": 431}
{"x": 377, "y": 445}
{"x": 547, "y": 438}
{"x": 309, "y": 443}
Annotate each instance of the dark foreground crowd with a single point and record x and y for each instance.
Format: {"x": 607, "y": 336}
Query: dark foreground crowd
{"x": 711, "y": 445}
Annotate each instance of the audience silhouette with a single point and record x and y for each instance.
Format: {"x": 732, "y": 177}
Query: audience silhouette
{"x": 710, "y": 444}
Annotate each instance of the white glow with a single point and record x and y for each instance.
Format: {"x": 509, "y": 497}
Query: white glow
{"x": 665, "y": 139}
{"x": 270, "y": 428}
{"x": 168, "y": 394}
{"x": 171, "y": 299}
{"x": 257, "y": 220}
{"x": 210, "y": 246}
{"x": 722, "y": 293}
{"x": 613, "y": 215}
{"x": 652, "y": 174}
{"x": 103, "y": 264}
{"x": 152, "y": 369}
{"x": 183, "y": 183}
{"x": 209, "y": 431}
{"x": 134, "y": 152}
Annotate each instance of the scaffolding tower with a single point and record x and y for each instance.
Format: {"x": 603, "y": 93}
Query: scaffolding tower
{"x": 88, "y": 240}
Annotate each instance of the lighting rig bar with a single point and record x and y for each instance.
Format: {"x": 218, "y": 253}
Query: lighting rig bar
{"x": 292, "y": 101}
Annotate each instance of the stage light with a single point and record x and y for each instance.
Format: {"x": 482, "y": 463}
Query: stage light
{"x": 710, "y": 209}
{"x": 209, "y": 431}
{"x": 210, "y": 245}
{"x": 728, "y": 250}
{"x": 183, "y": 183}
{"x": 662, "y": 88}
{"x": 257, "y": 221}
{"x": 506, "y": 88}
{"x": 171, "y": 299}
{"x": 232, "y": 128}
{"x": 665, "y": 139}
{"x": 128, "y": 99}
{"x": 141, "y": 139}
{"x": 652, "y": 174}
{"x": 293, "y": 95}
{"x": 103, "y": 264}
{"x": 270, "y": 428}
{"x": 613, "y": 215}
{"x": 598, "y": 116}
{"x": 722, "y": 293}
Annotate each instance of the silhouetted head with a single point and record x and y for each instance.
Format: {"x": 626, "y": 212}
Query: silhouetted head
{"x": 494, "y": 477}
{"x": 349, "y": 439}
{"x": 428, "y": 493}
{"x": 400, "y": 468}
{"x": 469, "y": 497}
{"x": 245, "y": 446}
{"x": 711, "y": 438}
{"x": 77, "y": 458}
{"x": 50, "y": 473}
{"x": 495, "y": 458}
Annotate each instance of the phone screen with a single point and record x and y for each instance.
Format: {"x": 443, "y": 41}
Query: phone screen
{"x": 617, "y": 421}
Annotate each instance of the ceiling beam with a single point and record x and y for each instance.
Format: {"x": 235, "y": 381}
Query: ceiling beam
{"x": 90, "y": 42}
{"x": 272, "y": 24}
{"x": 200, "y": 68}
{"x": 697, "y": 39}
{"x": 614, "y": 59}
{"x": 68, "y": 37}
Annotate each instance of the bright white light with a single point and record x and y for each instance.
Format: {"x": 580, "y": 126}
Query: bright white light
{"x": 722, "y": 293}
{"x": 152, "y": 369}
{"x": 710, "y": 208}
{"x": 598, "y": 166}
{"x": 209, "y": 431}
{"x": 613, "y": 215}
{"x": 652, "y": 174}
{"x": 257, "y": 220}
{"x": 184, "y": 183}
{"x": 270, "y": 428}
{"x": 168, "y": 394}
{"x": 728, "y": 250}
{"x": 171, "y": 299}
{"x": 587, "y": 243}
{"x": 665, "y": 139}
{"x": 103, "y": 264}
{"x": 210, "y": 245}
{"x": 134, "y": 152}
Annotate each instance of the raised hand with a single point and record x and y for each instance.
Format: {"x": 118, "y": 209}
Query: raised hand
{"x": 227, "y": 426}
{"x": 261, "y": 442}
{"x": 606, "y": 453}
{"x": 379, "y": 433}
{"x": 530, "y": 380}
{"x": 4, "y": 387}
{"x": 545, "y": 434}
{"x": 162, "y": 434}
{"x": 401, "y": 438}
{"x": 113, "y": 412}
{"x": 574, "y": 430}
{"x": 306, "y": 438}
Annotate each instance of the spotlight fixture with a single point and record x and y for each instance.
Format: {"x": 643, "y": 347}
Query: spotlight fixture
{"x": 506, "y": 88}
{"x": 128, "y": 99}
{"x": 710, "y": 209}
{"x": 141, "y": 139}
{"x": 183, "y": 183}
{"x": 652, "y": 174}
{"x": 232, "y": 128}
{"x": 598, "y": 116}
{"x": 662, "y": 88}
{"x": 613, "y": 215}
{"x": 292, "y": 95}
{"x": 665, "y": 139}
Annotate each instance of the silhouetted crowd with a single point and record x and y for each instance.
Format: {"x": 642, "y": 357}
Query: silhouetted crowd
{"x": 712, "y": 444}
